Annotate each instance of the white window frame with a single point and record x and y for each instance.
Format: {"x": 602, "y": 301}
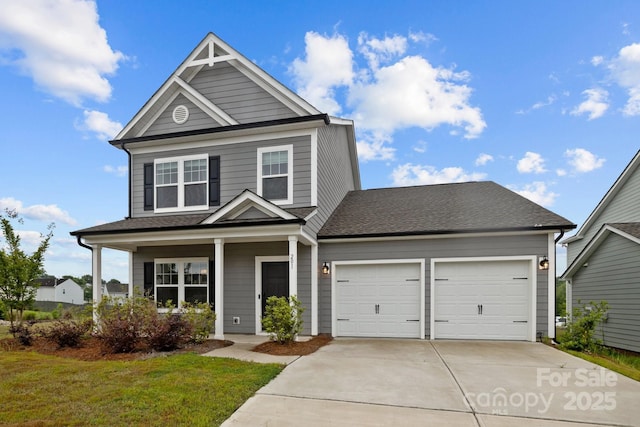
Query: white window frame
{"x": 180, "y": 184}
{"x": 289, "y": 174}
{"x": 180, "y": 262}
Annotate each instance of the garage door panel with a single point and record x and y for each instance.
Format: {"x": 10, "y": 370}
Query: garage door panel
{"x": 386, "y": 296}
{"x": 482, "y": 300}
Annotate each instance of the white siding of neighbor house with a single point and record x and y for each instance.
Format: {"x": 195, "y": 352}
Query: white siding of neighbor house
{"x": 238, "y": 170}
{"x": 239, "y": 276}
{"x": 612, "y": 274}
{"x": 69, "y": 291}
{"x": 46, "y": 293}
{"x": 624, "y": 207}
{"x": 525, "y": 245}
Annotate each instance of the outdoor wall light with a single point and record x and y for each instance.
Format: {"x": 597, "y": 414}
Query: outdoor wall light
{"x": 325, "y": 268}
{"x": 544, "y": 263}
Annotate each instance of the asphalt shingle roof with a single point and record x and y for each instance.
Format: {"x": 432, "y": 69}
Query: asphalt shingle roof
{"x": 437, "y": 209}
{"x": 163, "y": 222}
{"x": 632, "y": 228}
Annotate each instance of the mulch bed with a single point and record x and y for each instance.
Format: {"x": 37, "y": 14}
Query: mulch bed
{"x": 91, "y": 348}
{"x": 297, "y": 348}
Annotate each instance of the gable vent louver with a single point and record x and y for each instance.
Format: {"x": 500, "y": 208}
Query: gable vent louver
{"x": 180, "y": 114}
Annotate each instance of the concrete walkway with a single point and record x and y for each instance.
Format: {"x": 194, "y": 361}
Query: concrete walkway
{"x": 362, "y": 382}
{"x": 241, "y": 350}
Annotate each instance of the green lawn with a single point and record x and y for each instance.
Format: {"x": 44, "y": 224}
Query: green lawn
{"x": 184, "y": 389}
{"x": 620, "y": 362}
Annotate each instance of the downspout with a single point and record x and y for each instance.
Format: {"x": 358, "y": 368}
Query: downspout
{"x": 84, "y": 245}
{"x": 555, "y": 273}
{"x": 124, "y": 147}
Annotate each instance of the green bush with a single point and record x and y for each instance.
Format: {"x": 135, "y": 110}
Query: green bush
{"x": 283, "y": 318}
{"x": 579, "y": 335}
{"x": 202, "y": 320}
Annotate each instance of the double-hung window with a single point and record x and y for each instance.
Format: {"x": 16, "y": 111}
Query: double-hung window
{"x": 181, "y": 183}
{"x": 275, "y": 174}
{"x": 181, "y": 280}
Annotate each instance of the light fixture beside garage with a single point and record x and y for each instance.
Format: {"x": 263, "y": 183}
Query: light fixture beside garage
{"x": 325, "y": 268}
{"x": 544, "y": 263}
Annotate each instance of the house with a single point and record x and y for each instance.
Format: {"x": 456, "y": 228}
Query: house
{"x": 239, "y": 189}
{"x": 603, "y": 260}
{"x": 116, "y": 290}
{"x": 59, "y": 290}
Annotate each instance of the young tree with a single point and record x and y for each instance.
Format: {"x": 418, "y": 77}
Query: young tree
{"x": 19, "y": 270}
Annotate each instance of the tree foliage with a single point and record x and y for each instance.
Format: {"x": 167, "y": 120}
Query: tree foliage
{"x": 283, "y": 318}
{"x": 19, "y": 270}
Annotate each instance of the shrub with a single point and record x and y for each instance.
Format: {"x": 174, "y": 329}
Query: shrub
{"x": 57, "y": 312}
{"x": 29, "y": 315}
{"x": 122, "y": 323}
{"x": 202, "y": 320}
{"x": 22, "y": 332}
{"x": 283, "y": 318}
{"x": 67, "y": 333}
{"x": 579, "y": 335}
{"x": 166, "y": 332}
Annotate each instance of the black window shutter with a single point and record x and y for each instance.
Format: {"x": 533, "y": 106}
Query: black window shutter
{"x": 148, "y": 279}
{"x": 148, "y": 186}
{"x": 212, "y": 283}
{"x": 214, "y": 181}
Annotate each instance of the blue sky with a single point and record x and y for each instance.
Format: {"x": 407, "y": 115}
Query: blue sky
{"x": 542, "y": 97}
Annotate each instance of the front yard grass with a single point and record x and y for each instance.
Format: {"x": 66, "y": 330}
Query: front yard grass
{"x": 183, "y": 389}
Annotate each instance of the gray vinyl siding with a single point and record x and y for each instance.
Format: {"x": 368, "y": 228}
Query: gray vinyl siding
{"x": 613, "y": 275}
{"x": 624, "y": 207}
{"x": 239, "y": 277}
{"x": 237, "y": 95}
{"x": 238, "y": 170}
{"x": 526, "y": 245}
{"x": 335, "y": 174}
{"x": 197, "y": 119}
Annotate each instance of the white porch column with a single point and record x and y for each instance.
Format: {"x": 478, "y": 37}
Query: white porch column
{"x": 219, "y": 288}
{"x": 293, "y": 265}
{"x": 314, "y": 289}
{"x": 551, "y": 289}
{"x": 130, "y": 291}
{"x": 96, "y": 273}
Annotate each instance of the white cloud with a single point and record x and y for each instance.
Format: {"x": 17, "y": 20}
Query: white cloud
{"x": 61, "y": 45}
{"x": 412, "y": 93}
{"x": 583, "y": 161}
{"x": 381, "y": 50}
{"x": 392, "y": 92}
{"x": 483, "y": 159}
{"x": 117, "y": 170}
{"x": 99, "y": 123}
{"x": 48, "y": 213}
{"x": 537, "y": 192}
{"x": 410, "y": 174}
{"x": 374, "y": 149}
{"x": 625, "y": 70}
{"x": 595, "y": 105}
{"x": 531, "y": 163}
{"x": 597, "y": 60}
{"x": 561, "y": 172}
{"x": 328, "y": 64}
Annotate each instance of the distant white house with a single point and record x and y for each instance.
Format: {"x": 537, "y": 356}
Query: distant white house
{"x": 116, "y": 290}
{"x": 63, "y": 290}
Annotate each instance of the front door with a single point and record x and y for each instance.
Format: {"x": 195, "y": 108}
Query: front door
{"x": 275, "y": 281}
{"x": 272, "y": 279}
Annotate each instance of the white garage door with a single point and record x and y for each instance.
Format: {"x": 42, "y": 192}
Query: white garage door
{"x": 482, "y": 300}
{"x": 378, "y": 300}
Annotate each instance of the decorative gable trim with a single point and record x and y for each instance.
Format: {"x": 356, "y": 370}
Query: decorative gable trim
{"x": 631, "y": 168}
{"x": 597, "y": 240}
{"x": 189, "y": 68}
{"x": 244, "y": 201}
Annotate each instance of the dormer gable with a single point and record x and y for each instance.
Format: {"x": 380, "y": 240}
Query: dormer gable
{"x": 249, "y": 206}
{"x": 215, "y": 86}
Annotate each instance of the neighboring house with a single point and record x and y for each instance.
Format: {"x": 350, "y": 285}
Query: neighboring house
{"x": 603, "y": 260}
{"x": 47, "y": 289}
{"x": 116, "y": 290}
{"x": 60, "y": 290}
{"x": 239, "y": 189}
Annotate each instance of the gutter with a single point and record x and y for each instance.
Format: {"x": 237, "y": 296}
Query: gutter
{"x": 123, "y": 147}
{"x": 84, "y": 245}
{"x": 560, "y": 236}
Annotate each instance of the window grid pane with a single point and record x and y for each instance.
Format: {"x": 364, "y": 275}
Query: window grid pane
{"x": 275, "y": 163}
{"x": 167, "y": 173}
{"x": 166, "y": 274}
{"x": 195, "y": 170}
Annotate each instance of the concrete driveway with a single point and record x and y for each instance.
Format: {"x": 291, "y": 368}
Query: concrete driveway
{"x": 362, "y": 382}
